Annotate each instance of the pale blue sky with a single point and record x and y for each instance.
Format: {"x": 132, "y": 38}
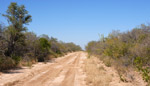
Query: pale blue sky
{"x": 80, "y": 21}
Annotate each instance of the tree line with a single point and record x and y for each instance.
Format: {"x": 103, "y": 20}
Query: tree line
{"x": 125, "y": 50}
{"x": 20, "y": 47}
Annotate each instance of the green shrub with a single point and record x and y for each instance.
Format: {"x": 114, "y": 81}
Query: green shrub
{"x": 17, "y": 59}
{"x": 145, "y": 74}
{"x": 129, "y": 49}
{"x": 6, "y": 63}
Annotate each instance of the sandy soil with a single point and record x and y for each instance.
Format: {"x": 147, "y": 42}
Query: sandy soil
{"x": 64, "y": 71}
{"x": 98, "y": 74}
{"x": 70, "y": 70}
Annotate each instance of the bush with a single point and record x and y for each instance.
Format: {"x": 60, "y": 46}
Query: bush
{"x": 18, "y": 45}
{"x": 6, "y": 63}
{"x": 16, "y": 59}
{"x": 131, "y": 48}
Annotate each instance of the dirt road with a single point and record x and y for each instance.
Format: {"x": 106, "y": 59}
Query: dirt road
{"x": 65, "y": 71}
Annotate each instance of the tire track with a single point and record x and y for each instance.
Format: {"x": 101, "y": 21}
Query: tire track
{"x": 64, "y": 72}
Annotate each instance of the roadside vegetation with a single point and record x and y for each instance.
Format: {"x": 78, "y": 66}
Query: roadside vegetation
{"x": 98, "y": 74}
{"x": 20, "y": 47}
{"x": 125, "y": 51}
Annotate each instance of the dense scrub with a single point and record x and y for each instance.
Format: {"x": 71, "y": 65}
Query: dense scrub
{"x": 125, "y": 51}
{"x": 18, "y": 46}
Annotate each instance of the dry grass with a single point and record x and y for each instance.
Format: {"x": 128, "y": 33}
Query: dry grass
{"x": 99, "y": 74}
{"x": 96, "y": 73}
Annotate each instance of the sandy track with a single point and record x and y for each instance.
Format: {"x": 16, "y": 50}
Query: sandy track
{"x": 65, "y": 71}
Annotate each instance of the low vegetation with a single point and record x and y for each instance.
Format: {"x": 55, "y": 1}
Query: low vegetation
{"x": 96, "y": 73}
{"x": 20, "y": 47}
{"x": 125, "y": 51}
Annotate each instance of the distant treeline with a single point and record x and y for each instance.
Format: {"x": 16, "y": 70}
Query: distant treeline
{"x": 20, "y": 47}
{"x": 125, "y": 50}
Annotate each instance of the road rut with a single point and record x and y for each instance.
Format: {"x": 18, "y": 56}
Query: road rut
{"x": 65, "y": 71}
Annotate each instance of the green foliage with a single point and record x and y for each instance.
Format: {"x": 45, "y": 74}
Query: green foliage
{"x": 125, "y": 49}
{"x": 145, "y": 71}
{"x": 122, "y": 78}
{"x": 44, "y": 47}
{"x": 44, "y": 44}
{"x": 17, "y": 46}
{"x": 17, "y": 59}
{"x": 6, "y": 63}
{"x": 17, "y": 17}
{"x": 145, "y": 74}
{"x": 138, "y": 62}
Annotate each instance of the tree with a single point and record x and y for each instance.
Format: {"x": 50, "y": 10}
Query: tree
{"x": 54, "y": 45}
{"x": 2, "y": 42}
{"x": 17, "y": 17}
{"x": 31, "y": 46}
{"x": 44, "y": 47}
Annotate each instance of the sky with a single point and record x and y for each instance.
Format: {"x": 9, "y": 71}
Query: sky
{"x": 81, "y": 21}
